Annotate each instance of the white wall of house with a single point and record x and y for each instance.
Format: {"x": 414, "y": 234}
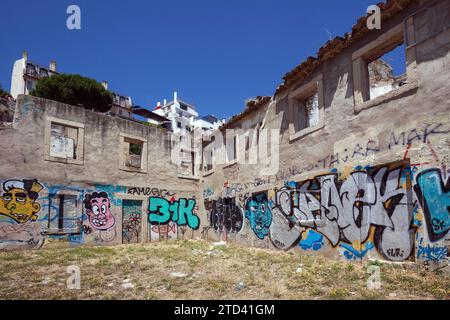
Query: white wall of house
{"x": 17, "y": 80}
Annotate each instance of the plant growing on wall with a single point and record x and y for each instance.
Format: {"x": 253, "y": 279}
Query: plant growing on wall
{"x": 75, "y": 90}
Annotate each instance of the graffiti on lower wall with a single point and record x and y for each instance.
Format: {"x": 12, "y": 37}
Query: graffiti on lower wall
{"x": 19, "y": 208}
{"x": 225, "y": 215}
{"x": 74, "y": 215}
{"x": 164, "y": 232}
{"x": 148, "y": 191}
{"x": 18, "y": 200}
{"x": 259, "y": 215}
{"x": 431, "y": 252}
{"x": 131, "y": 221}
{"x": 363, "y": 207}
{"x": 31, "y": 212}
{"x": 434, "y": 196}
{"x": 26, "y": 235}
{"x": 98, "y": 208}
{"x": 181, "y": 211}
{"x": 366, "y": 209}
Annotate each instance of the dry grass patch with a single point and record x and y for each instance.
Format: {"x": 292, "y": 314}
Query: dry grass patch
{"x": 197, "y": 270}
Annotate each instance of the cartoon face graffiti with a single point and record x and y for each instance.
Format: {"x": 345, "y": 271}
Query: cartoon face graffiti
{"x": 18, "y": 200}
{"x": 258, "y": 213}
{"x": 98, "y": 207}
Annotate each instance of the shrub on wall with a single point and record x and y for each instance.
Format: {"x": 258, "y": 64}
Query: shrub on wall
{"x": 75, "y": 90}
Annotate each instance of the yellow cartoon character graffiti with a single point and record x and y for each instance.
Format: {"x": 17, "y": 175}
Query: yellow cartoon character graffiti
{"x": 18, "y": 200}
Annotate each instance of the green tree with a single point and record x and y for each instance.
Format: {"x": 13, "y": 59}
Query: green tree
{"x": 75, "y": 90}
{"x": 3, "y": 93}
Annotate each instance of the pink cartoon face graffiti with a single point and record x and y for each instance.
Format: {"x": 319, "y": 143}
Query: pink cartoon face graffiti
{"x": 98, "y": 207}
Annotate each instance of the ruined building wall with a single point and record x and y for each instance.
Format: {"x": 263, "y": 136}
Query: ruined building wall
{"x": 370, "y": 180}
{"x": 95, "y": 198}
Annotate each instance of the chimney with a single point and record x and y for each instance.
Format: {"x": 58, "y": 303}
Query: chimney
{"x": 52, "y": 66}
{"x": 158, "y": 104}
{"x": 175, "y": 96}
{"x": 25, "y": 56}
{"x": 165, "y": 102}
{"x": 105, "y": 84}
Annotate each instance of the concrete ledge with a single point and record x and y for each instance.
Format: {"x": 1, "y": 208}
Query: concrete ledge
{"x": 407, "y": 89}
{"x": 305, "y": 132}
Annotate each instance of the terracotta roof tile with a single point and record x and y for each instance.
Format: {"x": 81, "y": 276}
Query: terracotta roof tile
{"x": 329, "y": 50}
{"x": 333, "y": 47}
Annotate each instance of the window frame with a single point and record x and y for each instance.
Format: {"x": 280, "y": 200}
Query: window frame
{"x": 208, "y": 149}
{"x": 79, "y": 208}
{"x": 80, "y": 140}
{"x": 144, "y": 154}
{"x": 401, "y": 34}
{"x": 305, "y": 91}
{"x": 231, "y": 148}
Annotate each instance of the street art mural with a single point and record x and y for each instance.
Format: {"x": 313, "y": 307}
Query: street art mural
{"x": 431, "y": 252}
{"x": 181, "y": 211}
{"x": 19, "y": 208}
{"x": 18, "y": 200}
{"x": 64, "y": 212}
{"x": 164, "y": 232}
{"x": 375, "y": 209}
{"x": 27, "y": 235}
{"x": 433, "y": 195}
{"x": 131, "y": 221}
{"x": 367, "y": 206}
{"x": 31, "y": 212}
{"x": 98, "y": 208}
{"x": 259, "y": 215}
{"x": 311, "y": 240}
{"x": 225, "y": 215}
{"x": 107, "y": 236}
{"x": 148, "y": 191}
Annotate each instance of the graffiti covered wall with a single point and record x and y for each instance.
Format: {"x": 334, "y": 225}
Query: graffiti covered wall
{"x": 32, "y": 214}
{"x": 370, "y": 180}
{"x": 397, "y": 211}
{"x": 366, "y": 181}
{"x": 94, "y": 200}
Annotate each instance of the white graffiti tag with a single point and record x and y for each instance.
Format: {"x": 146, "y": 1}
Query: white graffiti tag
{"x": 345, "y": 211}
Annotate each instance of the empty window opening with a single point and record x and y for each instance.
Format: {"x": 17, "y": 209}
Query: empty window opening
{"x": 307, "y": 114}
{"x": 231, "y": 148}
{"x": 134, "y": 157}
{"x": 208, "y": 160}
{"x": 63, "y": 141}
{"x": 387, "y": 72}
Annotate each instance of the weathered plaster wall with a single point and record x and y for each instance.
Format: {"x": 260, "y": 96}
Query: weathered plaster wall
{"x": 24, "y": 220}
{"x": 369, "y": 184}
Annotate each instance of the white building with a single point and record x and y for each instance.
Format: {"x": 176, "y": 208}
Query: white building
{"x": 207, "y": 123}
{"x": 184, "y": 117}
{"x": 25, "y": 75}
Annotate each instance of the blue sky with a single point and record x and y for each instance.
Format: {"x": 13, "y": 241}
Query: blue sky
{"x": 215, "y": 53}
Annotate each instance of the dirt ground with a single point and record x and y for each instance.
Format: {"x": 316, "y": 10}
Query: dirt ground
{"x": 199, "y": 270}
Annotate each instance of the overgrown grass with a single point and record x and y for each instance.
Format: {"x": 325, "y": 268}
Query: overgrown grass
{"x": 191, "y": 269}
